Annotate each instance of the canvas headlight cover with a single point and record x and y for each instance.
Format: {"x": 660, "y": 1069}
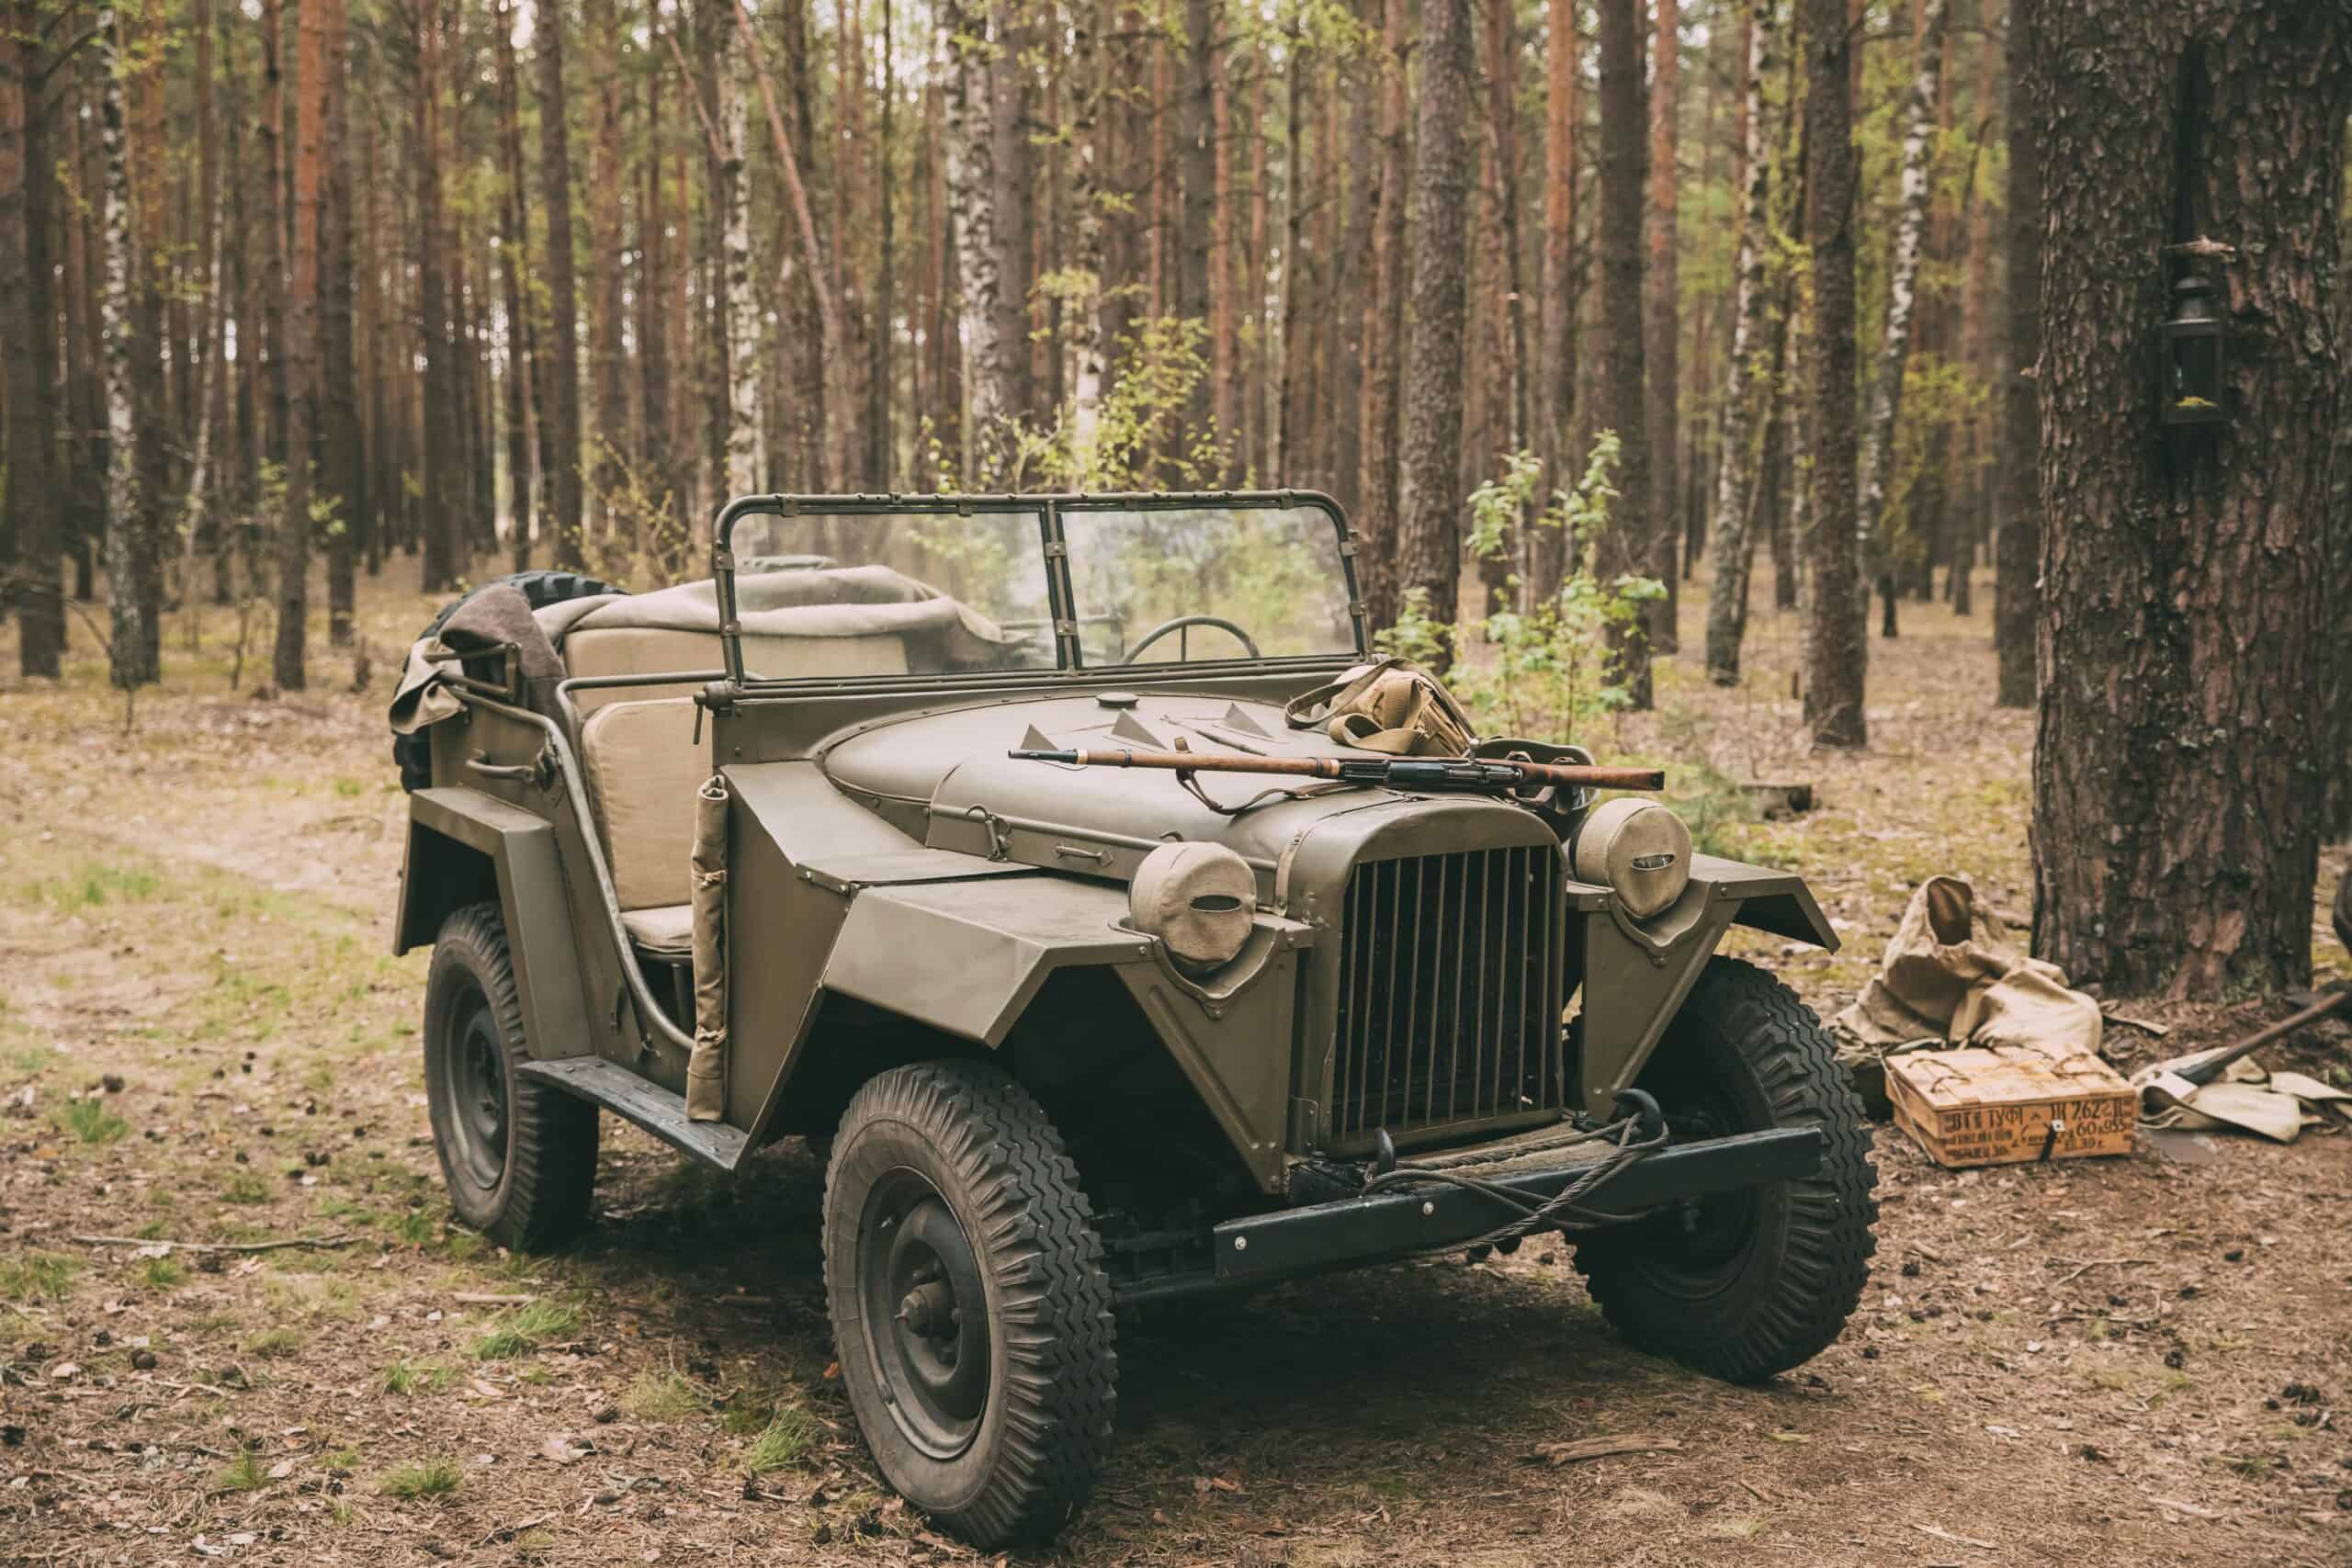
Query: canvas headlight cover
{"x": 1639, "y": 850}
{"x": 1199, "y": 899}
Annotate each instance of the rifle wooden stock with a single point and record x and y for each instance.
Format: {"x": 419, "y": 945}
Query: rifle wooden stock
{"x": 1574, "y": 776}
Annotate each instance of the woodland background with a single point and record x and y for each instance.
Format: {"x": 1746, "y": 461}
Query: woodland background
{"x": 1562, "y": 300}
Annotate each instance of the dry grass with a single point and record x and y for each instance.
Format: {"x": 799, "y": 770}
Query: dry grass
{"x": 202, "y": 914}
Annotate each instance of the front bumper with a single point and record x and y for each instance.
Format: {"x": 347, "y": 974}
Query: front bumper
{"x": 1262, "y": 1248}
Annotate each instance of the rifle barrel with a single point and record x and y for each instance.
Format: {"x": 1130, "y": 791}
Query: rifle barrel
{"x": 1571, "y": 774}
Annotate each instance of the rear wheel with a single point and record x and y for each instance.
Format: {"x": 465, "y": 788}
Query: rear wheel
{"x": 971, "y": 1311}
{"x": 1748, "y": 1283}
{"x": 413, "y": 753}
{"x": 519, "y": 1158}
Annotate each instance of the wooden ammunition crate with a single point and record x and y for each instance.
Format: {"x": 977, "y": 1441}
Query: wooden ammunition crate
{"x": 2009, "y": 1106}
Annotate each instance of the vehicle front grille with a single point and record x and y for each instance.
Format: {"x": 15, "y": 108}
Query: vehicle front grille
{"x": 1450, "y": 976}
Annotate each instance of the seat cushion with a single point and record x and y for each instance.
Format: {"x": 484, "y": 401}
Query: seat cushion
{"x": 643, "y": 769}
{"x": 666, "y": 932}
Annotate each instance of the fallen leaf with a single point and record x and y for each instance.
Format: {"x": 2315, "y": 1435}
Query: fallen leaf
{"x": 565, "y": 1448}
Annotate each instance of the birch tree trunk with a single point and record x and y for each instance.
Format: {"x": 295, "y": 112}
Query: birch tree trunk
{"x": 1749, "y": 371}
{"x": 133, "y": 568}
{"x": 741, "y": 313}
{"x": 1902, "y": 301}
{"x": 988, "y": 372}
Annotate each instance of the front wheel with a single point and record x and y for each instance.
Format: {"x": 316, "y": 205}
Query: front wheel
{"x": 519, "y": 1156}
{"x": 1747, "y": 1283}
{"x": 971, "y": 1314}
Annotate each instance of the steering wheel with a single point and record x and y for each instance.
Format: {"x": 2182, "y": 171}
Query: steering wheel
{"x": 1179, "y": 624}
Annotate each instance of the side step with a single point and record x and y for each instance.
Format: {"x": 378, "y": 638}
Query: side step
{"x": 649, "y": 1105}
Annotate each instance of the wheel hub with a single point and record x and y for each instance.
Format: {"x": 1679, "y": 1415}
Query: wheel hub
{"x": 475, "y": 1087}
{"x": 922, "y": 1291}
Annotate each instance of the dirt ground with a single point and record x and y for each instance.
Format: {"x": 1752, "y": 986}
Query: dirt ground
{"x": 2136, "y": 1361}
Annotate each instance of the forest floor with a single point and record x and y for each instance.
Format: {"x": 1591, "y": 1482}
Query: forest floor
{"x": 2133, "y": 1360}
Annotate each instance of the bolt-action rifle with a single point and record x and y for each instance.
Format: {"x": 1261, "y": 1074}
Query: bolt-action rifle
{"x": 1475, "y": 774}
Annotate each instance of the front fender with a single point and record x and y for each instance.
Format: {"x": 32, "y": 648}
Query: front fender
{"x": 1637, "y": 972}
{"x": 465, "y": 847}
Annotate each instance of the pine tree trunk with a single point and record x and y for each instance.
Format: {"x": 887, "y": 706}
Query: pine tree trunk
{"x": 1835, "y": 649}
{"x": 1663, "y": 352}
{"x": 440, "y": 565}
{"x": 343, "y": 470}
{"x": 1379, "y": 567}
{"x": 608, "y": 365}
{"x": 560, "y": 413}
{"x": 287, "y": 666}
{"x": 1554, "y": 402}
{"x": 1749, "y": 372}
{"x": 1196, "y": 177}
{"x": 514, "y": 236}
{"x": 2016, "y": 592}
{"x": 1625, "y": 545}
{"x": 28, "y": 339}
{"x": 1428, "y": 470}
{"x": 2177, "y": 780}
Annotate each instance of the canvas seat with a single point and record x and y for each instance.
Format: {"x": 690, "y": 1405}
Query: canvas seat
{"x": 643, "y": 768}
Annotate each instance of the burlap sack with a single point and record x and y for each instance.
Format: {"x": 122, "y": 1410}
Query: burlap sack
{"x": 1951, "y": 973}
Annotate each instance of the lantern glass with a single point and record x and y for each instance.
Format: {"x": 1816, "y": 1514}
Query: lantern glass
{"x": 2193, "y": 357}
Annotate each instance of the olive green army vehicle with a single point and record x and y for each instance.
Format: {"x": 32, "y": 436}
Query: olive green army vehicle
{"x": 750, "y": 858}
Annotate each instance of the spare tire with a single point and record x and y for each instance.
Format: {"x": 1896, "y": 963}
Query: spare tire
{"x": 413, "y": 753}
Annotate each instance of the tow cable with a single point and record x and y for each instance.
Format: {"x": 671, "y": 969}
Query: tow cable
{"x": 1639, "y": 1133}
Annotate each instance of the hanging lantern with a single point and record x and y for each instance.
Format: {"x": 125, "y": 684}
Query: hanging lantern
{"x": 2191, "y": 357}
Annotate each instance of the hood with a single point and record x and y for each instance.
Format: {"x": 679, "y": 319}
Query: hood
{"x": 944, "y": 778}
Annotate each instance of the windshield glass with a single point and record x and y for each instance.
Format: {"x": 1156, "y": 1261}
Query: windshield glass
{"x": 944, "y": 593}
{"x": 1211, "y": 582}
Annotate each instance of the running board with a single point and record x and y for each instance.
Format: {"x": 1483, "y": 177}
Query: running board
{"x": 649, "y": 1105}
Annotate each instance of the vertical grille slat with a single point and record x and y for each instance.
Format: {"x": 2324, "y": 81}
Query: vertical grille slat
{"x": 1449, "y": 996}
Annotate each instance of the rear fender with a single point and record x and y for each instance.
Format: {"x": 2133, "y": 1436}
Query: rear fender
{"x": 465, "y": 847}
{"x": 1637, "y": 974}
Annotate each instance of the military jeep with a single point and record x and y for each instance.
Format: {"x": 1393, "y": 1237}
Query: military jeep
{"x": 752, "y": 858}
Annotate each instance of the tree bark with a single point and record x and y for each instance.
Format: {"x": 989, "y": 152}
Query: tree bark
{"x": 1625, "y": 545}
{"x": 440, "y": 532}
{"x": 1384, "y": 331}
{"x": 342, "y": 470}
{"x": 287, "y": 666}
{"x": 608, "y": 363}
{"x": 2016, "y": 592}
{"x": 129, "y": 315}
{"x": 1902, "y": 299}
{"x": 513, "y": 242}
{"x": 1429, "y": 474}
{"x": 1834, "y": 648}
{"x": 2178, "y": 782}
{"x": 1663, "y": 352}
{"x": 560, "y": 413}
{"x": 1196, "y": 178}
{"x": 27, "y": 344}
{"x": 1554, "y": 403}
{"x": 1749, "y": 370}
{"x": 995, "y": 353}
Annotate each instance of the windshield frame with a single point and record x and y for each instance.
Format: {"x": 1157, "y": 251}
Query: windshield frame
{"x": 1049, "y": 507}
